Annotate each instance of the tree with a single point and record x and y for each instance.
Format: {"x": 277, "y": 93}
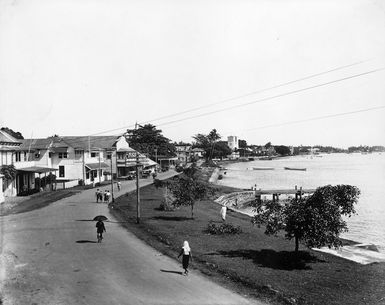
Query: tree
{"x": 150, "y": 141}
{"x": 210, "y": 144}
{"x": 242, "y": 144}
{"x": 9, "y": 172}
{"x": 282, "y": 150}
{"x": 15, "y": 134}
{"x": 268, "y": 145}
{"x": 187, "y": 189}
{"x": 315, "y": 220}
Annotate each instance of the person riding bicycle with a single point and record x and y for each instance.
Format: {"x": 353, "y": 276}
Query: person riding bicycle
{"x": 100, "y": 228}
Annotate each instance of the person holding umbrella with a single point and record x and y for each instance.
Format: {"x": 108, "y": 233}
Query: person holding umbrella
{"x": 186, "y": 252}
{"x": 100, "y": 228}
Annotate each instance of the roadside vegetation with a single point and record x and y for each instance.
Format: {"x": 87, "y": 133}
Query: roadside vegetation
{"x": 15, "y": 205}
{"x": 247, "y": 260}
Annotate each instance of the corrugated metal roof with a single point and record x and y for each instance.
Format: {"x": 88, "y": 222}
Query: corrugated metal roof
{"x": 95, "y": 142}
{"x": 97, "y": 165}
{"x": 36, "y": 143}
{"x": 37, "y": 169}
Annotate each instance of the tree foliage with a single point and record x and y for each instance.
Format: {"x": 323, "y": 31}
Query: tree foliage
{"x": 242, "y": 144}
{"x": 15, "y": 134}
{"x": 150, "y": 141}
{"x": 282, "y": 150}
{"x": 211, "y": 145}
{"x": 9, "y": 172}
{"x": 187, "y": 188}
{"x": 316, "y": 220}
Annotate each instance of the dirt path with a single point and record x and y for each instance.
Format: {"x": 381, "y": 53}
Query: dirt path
{"x": 49, "y": 256}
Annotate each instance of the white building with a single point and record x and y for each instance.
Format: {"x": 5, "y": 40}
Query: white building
{"x": 73, "y": 160}
{"x": 232, "y": 142}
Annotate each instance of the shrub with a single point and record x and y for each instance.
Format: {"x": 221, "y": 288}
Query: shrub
{"x": 158, "y": 183}
{"x": 220, "y": 177}
{"x": 225, "y": 228}
{"x": 167, "y": 203}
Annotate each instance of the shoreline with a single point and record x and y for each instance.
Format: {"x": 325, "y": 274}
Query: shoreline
{"x": 360, "y": 252}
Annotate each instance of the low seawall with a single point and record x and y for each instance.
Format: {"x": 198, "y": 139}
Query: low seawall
{"x": 236, "y": 199}
{"x": 214, "y": 176}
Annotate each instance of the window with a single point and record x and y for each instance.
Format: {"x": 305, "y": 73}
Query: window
{"x": 37, "y": 154}
{"x": 25, "y": 156}
{"x": 63, "y": 155}
{"x": 108, "y": 156}
{"x": 61, "y": 171}
{"x": 93, "y": 154}
{"x": 120, "y": 156}
{"x": 87, "y": 175}
{"x": 18, "y": 156}
{"x": 78, "y": 153}
{"x": 50, "y": 154}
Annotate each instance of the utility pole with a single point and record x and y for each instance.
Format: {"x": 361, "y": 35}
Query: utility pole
{"x": 112, "y": 181}
{"x": 100, "y": 170}
{"x": 137, "y": 189}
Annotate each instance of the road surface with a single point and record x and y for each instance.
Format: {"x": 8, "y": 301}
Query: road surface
{"x": 50, "y": 256}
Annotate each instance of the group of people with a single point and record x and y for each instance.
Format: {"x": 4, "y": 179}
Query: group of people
{"x": 103, "y": 197}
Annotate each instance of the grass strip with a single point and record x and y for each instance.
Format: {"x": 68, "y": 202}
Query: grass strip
{"x": 251, "y": 263}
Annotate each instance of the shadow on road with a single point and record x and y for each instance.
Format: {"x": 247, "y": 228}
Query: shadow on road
{"x": 172, "y": 218}
{"x": 108, "y": 221}
{"x": 86, "y": 241}
{"x": 172, "y": 271}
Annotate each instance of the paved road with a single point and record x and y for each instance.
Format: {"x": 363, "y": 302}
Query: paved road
{"x": 49, "y": 256}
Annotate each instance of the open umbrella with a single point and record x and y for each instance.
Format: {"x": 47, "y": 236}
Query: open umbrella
{"x": 100, "y": 217}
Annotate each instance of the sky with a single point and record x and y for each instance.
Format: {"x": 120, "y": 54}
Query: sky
{"x": 84, "y": 67}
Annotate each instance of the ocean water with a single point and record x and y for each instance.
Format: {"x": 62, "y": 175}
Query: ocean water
{"x": 366, "y": 171}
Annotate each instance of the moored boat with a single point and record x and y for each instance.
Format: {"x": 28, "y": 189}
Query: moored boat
{"x": 295, "y": 168}
{"x": 262, "y": 168}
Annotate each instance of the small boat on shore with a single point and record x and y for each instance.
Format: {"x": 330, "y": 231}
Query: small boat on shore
{"x": 295, "y": 168}
{"x": 263, "y": 168}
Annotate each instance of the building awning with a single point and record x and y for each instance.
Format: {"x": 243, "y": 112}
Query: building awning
{"x": 37, "y": 169}
{"x": 97, "y": 165}
{"x": 127, "y": 164}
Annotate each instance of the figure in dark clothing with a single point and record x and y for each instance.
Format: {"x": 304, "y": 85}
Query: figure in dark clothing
{"x": 186, "y": 252}
{"x": 100, "y": 228}
{"x": 98, "y": 195}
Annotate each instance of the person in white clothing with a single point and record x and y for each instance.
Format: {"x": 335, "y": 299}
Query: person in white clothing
{"x": 223, "y": 213}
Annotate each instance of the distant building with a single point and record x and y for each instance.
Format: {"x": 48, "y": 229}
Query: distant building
{"x": 183, "y": 152}
{"x": 232, "y": 142}
{"x": 198, "y": 152}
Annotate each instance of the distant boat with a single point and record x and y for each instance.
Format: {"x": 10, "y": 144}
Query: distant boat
{"x": 262, "y": 168}
{"x": 295, "y": 168}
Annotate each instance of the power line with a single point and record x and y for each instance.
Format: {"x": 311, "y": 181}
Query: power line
{"x": 273, "y": 97}
{"x": 314, "y": 118}
{"x": 256, "y": 92}
{"x": 264, "y": 99}
{"x": 237, "y": 97}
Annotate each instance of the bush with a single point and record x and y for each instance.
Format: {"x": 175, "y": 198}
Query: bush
{"x": 158, "y": 183}
{"x": 167, "y": 203}
{"x": 225, "y": 228}
{"x": 220, "y": 177}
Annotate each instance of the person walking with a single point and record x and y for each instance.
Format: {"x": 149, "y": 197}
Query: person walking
{"x": 107, "y": 196}
{"x": 119, "y": 185}
{"x": 97, "y": 194}
{"x": 100, "y": 228}
{"x": 186, "y": 252}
